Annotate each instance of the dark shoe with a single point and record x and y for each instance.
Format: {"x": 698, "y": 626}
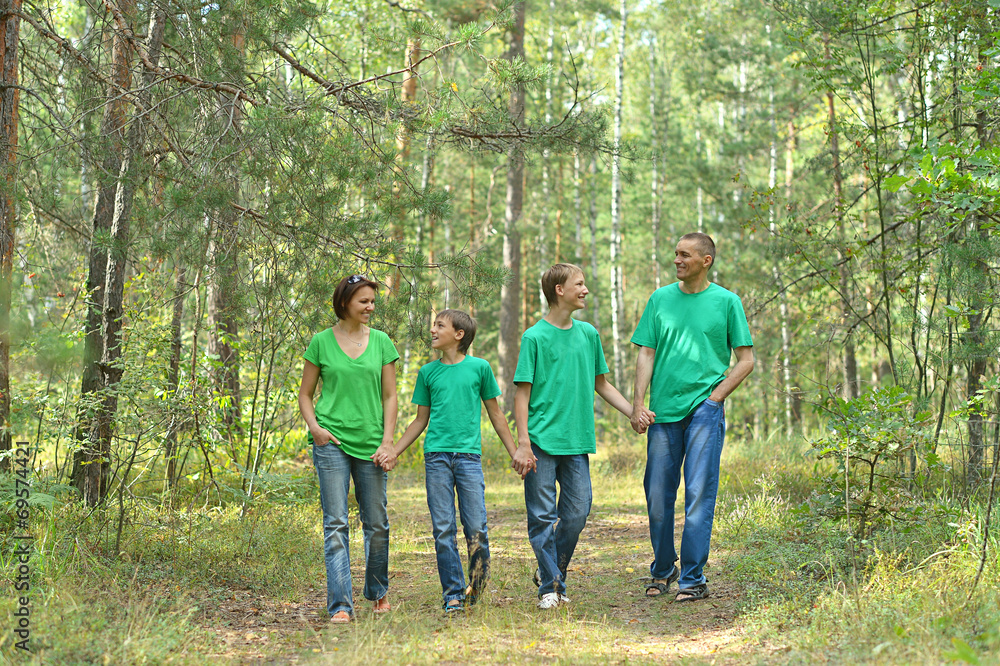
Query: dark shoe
{"x": 663, "y": 586}
{"x": 692, "y": 593}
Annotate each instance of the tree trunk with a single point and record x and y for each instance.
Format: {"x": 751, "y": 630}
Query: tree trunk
{"x": 849, "y": 365}
{"x": 173, "y": 376}
{"x": 10, "y": 33}
{"x": 595, "y": 309}
{"x": 617, "y": 306}
{"x": 543, "y": 210}
{"x": 90, "y": 462}
{"x": 772, "y": 179}
{"x": 223, "y": 306}
{"x": 654, "y": 193}
{"x": 114, "y": 296}
{"x": 977, "y": 333}
{"x": 510, "y": 293}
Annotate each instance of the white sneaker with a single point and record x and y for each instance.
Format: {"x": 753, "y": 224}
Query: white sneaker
{"x": 563, "y": 599}
{"x": 547, "y": 601}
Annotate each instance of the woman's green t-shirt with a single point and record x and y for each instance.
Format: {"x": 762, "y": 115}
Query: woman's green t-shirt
{"x": 350, "y": 403}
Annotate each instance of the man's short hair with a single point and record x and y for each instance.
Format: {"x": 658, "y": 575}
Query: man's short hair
{"x": 558, "y": 274}
{"x": 344, "y": 292}
{"x": 461, "y": 321}
{"x": 704, "y": 243}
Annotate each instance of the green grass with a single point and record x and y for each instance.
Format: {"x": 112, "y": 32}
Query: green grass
{"x": 201, "y": 583}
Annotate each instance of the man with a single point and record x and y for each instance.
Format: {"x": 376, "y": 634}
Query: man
{"x": 686, "y": 336}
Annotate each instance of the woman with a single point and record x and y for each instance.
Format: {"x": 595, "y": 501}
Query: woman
{"x": 354, "y": 418}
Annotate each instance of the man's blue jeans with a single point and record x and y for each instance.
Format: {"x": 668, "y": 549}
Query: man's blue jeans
{"x": 695, "y": 443}
{"x": 554, "y": 527}
{"x": 335, "y": 470}
{"x": 447, "y": 473}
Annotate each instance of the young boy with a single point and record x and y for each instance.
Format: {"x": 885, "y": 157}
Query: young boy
{"x": 560, "y": 365}
{"x": 447, "y": 395}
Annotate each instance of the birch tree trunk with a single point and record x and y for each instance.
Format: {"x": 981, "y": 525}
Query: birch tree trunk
{"x": 654, "y": 194}
{"x": 617, "y": 306}
{"x": 510, "y": 296}
{"x": 10, "y": 33}
{"x": 772, "y": 177}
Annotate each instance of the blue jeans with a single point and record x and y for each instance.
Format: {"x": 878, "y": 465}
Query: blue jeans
{"x": 335, "y": 470}
{"x": 554, "y": 528}
{"x": 446, "y": 473}
{"x": 696, "y": 443}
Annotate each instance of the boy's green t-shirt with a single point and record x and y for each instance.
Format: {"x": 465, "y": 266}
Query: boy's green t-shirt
{"x": 561, "y": 366}
{"x": 454, "y": 393}
{"x": 350, "y": 404}
{"x": 693, "y": 335}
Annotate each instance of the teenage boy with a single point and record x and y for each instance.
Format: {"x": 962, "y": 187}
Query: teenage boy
{"x": 447, "y": 394}
{"x": 686, "y": 336}
{"x": 560, "y": 365}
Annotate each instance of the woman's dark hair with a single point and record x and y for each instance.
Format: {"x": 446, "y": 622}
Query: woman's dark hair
{"x": 344, "y": 292}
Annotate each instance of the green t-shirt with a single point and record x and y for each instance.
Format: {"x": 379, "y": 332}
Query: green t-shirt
{"x": 454, "y": 394}
{"x": 561, "y": 366}
{"x": 350, "y": 404}
{"x": 693, "y": 335}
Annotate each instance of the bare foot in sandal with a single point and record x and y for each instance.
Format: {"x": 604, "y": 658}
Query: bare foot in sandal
{"x": 657, "y": 587}
{"x": 340, "y": 617}
{"x": 382, "y": 605}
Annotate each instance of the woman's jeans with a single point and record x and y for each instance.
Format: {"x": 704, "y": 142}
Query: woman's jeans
{"x": 335, "y": 470}
{"x": 694, "y": 443}
{"x": 447, "y": 473}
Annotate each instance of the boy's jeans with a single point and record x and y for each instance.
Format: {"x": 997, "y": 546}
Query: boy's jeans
{"x": 335, "y": 469}
{"x": 446, "y": 473}
{"x": 696, "y": 442}
{"x": 554, "y": 527}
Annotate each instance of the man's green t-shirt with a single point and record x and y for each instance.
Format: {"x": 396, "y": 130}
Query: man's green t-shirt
{"x": 693, "y": 335}
{"x": 350, "y": 404}
{"x": 454, "y": 393}
{"x": 561, "y": 366}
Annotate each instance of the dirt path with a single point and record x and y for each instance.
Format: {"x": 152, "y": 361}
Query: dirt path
{"x": 606, "y": 583}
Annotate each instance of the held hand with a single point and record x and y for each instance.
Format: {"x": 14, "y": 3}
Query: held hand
{"x": 524, "y": 461}
{"x": 322, "y": 437}
{"x": 385, "y": 456}
{"x": 641, "y": 419}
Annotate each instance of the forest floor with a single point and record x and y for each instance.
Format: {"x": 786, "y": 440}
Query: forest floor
{"x": 609, "y": 619}
{"x": 214, "y": 584}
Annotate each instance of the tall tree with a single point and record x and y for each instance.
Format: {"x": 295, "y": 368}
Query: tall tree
{"x": 223, "y": 286}
{"x": 510, "y": 293}
{"x": 10, "y": 91}
{"x": 91, "y": 464}
{"x": 617, "y": 294}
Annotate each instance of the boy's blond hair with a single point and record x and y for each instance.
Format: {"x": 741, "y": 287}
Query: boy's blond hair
{"x": 556, "y": 275}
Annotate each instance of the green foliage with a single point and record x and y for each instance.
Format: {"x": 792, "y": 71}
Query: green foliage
{"x": 875, "y": 442}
